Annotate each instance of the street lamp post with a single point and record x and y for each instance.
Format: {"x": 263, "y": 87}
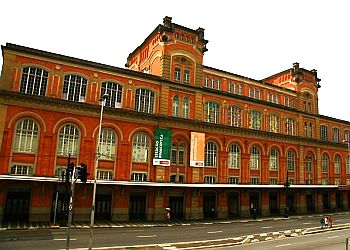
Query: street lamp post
{"x": 286, "y": 208}
{"x": 97, "y": 156}
{"x": 347, "y": 141}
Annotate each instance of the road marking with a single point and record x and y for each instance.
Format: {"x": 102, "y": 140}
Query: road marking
{"x": 147, "y": 236}
{"x": 214, "y": 232}
{"x": 284, "y": 245}
{"x": 332, "y": 237}
{"x": 266, "y": 227}
{"x": 64, "y": 239}
{"x": 306, "y": 223}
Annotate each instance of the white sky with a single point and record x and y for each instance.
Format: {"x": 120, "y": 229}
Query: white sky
{"x": 253, "y": 38}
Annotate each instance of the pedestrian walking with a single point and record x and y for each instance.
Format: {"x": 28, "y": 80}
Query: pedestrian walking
{"x": 326, "y": 222}
{"x": 322, "y": 222}
{"x": 167, "y": 215}
{"x": 330, "y": 221}
{"x": 254, "y": 213}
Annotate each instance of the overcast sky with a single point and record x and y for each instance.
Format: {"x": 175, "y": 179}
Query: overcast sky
{"x": 253, "y": 38}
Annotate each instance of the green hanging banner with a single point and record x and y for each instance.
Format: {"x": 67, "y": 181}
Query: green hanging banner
{"x": 162, "y": 147}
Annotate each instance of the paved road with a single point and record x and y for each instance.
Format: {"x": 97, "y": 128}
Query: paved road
{"x": 329, "y": 240}
{"x": 156, "y": 234}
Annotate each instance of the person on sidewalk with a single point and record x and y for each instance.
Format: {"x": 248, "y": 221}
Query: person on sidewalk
{"x": 330, "y": 221}
{"x": 255, "y": 213}
{"x": 167, "y": 215}
{"x": 326, "y": 222}
{"x": 322, "y": 222}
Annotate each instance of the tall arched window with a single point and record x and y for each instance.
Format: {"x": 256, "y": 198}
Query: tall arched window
{"x": 290, "y": 160}
{"x": 337, "y": 164}
{"x": 325, "y": 163}
{"x": 186, "y": 107}
{"x": 234, "y": 156}
{"x": 274, "y": 159}
{"x": 26, "y": 138}
{"x": 234, "y": 116}
{"x": 274, "y": 123}
{"x": 74, "y": 88}
{"x": 290, "y": 126}
{"x": 177, "y": 154}
{"x": 255, "y": 120}
{"x": 324, "y": 133}
{"x": 176, "y": 105}
{"x": 33, "y": 81}
{"x": 114, "y": 92}
{"x": 140, "y": 147}
{"x": 144, "y": 101}
{"x": 309, "y": 162}
{"x": 255, "y": 157}
{"x": 107, "y": 144}
{"x": 211, "y": 154}
{"x": 68, "y": 141}
{"x": 212, "y": 112}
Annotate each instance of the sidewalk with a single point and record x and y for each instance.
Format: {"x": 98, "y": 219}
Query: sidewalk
{"x": 110, "y": 224}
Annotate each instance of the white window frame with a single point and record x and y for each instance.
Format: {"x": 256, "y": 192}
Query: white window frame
{"x": 68, "y": 140}
{"x": 144, "y": 100}
{"x": 27, "y": 136}
{"x": 140, "y": 147}
{"x": 211, "y": 154}
{"x": 34, "y": 81}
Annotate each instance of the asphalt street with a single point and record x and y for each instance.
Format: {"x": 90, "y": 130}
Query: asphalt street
{"x": 157, "y": 234}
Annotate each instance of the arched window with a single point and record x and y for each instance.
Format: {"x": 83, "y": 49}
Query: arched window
{"x": 68, "y": 141}
{"x": 234, "y": 116}
{"x": 177, "y": 74}
{"x": 290, "y": 160}
{"x": 325, "y": 163}
{"x": 255, "y": 120}
{"x": 274, "y": 123}
{"x": 114, "y": 92}
{"x": 274, "y": 159}
{"x": 347, "y": 162}
{"x": 255, "y": 158}
{"x": 324, "y": 133}
{"x": 177, "y": 154}
{"x": 290, "y": 126}
{"x": 309, "y": 162}
{"x": 176, "y": 104}
{"x": 144, "y": 101}
{"x": 234, "y": 156}
{"x": 212, "y": 112}
{"x": 186, "y": 107}
{"x": 74, "y": 88}
{"x": 107, "y": 144}
{"x": 337, "y": 164}
{"x": 211, "y": 154}
{"x": 33, "y": 81}
{"x": 26, "y": 138}
{"x": 140, "y": 147}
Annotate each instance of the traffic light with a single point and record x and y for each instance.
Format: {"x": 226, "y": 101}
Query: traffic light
{"x": 69, "y": 170}
{"x": 82, "y": 173}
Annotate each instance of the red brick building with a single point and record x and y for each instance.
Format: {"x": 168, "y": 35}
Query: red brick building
{"x": 257, "y": 135}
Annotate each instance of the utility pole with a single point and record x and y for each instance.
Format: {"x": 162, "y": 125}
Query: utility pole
{"x": 286, "y": 209}
{"x": 70, "y": 208}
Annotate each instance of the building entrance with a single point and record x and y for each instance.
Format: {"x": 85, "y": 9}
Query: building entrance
{"x": 325, "y": 200}
{"x": 209, "y": 205}
{"x": 103, "y": 206}
{"x": 254, "y": 203}
{"x": 176, "y": 204}
{"x": 137, "y": 206}
{"x": 233, "y": 204}
{"x": 273, "y": 203}
{"x": 17, "y": 207}
{"x": 310, "y": 204}
{"x": 61, "y": 210}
